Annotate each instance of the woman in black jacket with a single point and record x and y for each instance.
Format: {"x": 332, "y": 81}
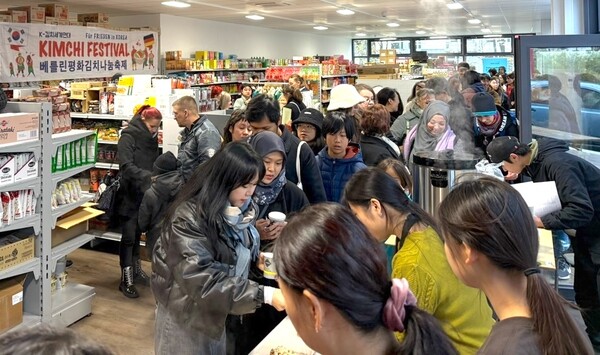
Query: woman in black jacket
{"x": 273, "y": 194}
{"x": 374, "y": 143}
{"x": 137, "y": 151}
{"x": 203, "y": 256}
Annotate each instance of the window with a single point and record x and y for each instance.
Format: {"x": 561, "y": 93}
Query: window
{"x": 489, "y": 45}
{"x": 360, "y": 48}
{"x": 439, "y": 46}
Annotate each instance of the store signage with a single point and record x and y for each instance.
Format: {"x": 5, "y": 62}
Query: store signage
{"x": 36, "y": 52}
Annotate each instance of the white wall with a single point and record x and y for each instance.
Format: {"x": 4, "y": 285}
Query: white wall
{"x": 189, "y": 35}
{"x": 136, "y": 21}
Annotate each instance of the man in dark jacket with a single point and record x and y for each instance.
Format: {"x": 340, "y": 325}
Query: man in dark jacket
{"x": 166, "y": 182}
{"x": 578, "y": 185}
{"x": 200, "y": 139}
{"x": 263, "y": 115}
{"x": 491, "y": 121}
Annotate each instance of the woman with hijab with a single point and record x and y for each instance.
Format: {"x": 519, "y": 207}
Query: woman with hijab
{"x": 273, "y": 194}
{"x": 432, "y": 133}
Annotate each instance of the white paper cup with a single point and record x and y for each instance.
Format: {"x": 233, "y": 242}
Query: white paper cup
{"x": 277, "y": 217}
{"x": 270, "y": 272}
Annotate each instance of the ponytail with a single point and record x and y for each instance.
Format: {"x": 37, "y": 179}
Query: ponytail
{"x": 548, "y": 313}
{"x": 422, "y": 332}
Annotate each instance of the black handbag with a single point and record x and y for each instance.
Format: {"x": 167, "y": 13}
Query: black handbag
{"x": 106, "y": 200}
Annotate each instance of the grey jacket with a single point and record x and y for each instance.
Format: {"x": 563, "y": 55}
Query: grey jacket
{"x": 403, "y": 124}
{"x": 198, "y": 144}
{"x": 193, "y": 275}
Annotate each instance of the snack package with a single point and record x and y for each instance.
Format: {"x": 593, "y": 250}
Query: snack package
{"x": 53, "y": 201}
{"x": 7, "y": 217}
{"x": 16, "y": 204}
{"x": 29, "y": 211}
{"x": 60, "y": 158}
{"x": 60, "y": 197}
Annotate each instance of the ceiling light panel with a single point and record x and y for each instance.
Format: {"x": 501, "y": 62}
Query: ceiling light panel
{"x": 178, "y": 4}
{"x": 345, "y": 12}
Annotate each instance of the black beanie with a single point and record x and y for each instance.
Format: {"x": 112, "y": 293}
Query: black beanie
{"x": 483, "y": 104}
{"x": 311, "y": 116}
{"x": 165, "y": 163}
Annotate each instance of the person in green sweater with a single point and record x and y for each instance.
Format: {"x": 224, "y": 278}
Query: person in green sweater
{"x": 383, "y": 207}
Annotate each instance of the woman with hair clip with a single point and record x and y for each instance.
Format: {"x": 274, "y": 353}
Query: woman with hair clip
{"x": 322, "y": 257}
{"x": 293, "y": 101}
{"x": 491, "y": 242}
{"x": 137, "y": 151}
{"x": 384, "y": 208}
{"x": 203, "y": 256}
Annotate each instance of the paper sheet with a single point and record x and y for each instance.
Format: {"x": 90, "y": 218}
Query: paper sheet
{"x": 542, "y": 196}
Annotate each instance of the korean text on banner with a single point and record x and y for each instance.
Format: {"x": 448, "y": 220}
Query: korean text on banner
{"x": 36, "y": 52}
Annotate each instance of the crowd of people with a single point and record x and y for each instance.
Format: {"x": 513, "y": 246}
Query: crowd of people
{"x": 461, "y": 282}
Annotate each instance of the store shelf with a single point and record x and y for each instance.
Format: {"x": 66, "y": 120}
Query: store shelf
{"x": 113, "y": 236}
{"x": 25, "y": 222}
{"x": 173, "y": 71}
{"x": 71, "y": 303}
{"x": 61, "y": 175}
{"x": 96, "y": 116}
{"x": 252, "y": 69}
{"x": 100, "y": 141}
{"x": 338, "y": 76}
{"x": 326, "y": 89}
{"x": 64, "y": 209}
{"x": 68, "y": 247}
{"x": 29, "y": 184}
{"x": 29, "y": 321}
{"x": 17, "y": 147}
{"x": 114, "y": 166}
{"x": 32, "y": 265}
{"x": 59, "y": 139}
{"x": 215, "y": 83}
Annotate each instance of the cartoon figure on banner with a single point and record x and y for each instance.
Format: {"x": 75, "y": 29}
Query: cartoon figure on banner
{"x": 20, "y": 64}
{"x": 30, "y": 65}
{"x": 11, "y": 67}
{"x": 148, "y": 43}
{"x": 151, "y": 58}
{"x": 145, "y": 58}
{"x": 133, "y": 55}
{"x": 138, "y": 57}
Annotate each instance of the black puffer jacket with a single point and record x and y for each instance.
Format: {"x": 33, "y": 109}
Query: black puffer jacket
{"x": 578, "y": 185}
{"x": 194, "y": 275}
{"x": 155, "y": 203}
{"x": 137, "y": 151}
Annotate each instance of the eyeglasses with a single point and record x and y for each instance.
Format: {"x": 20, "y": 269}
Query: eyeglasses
{"x": 368, "y": 99}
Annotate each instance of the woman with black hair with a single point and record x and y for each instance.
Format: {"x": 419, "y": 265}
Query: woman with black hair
{"x": 237, "y": 128}
{"x": 384, "y": 208}
{"x": 308, "y": 128}
{"x": 390, "y": 98}
{"x": 203, "y": 256}
{"x": 491, "y": 243}
{"x": 323, "y": 256}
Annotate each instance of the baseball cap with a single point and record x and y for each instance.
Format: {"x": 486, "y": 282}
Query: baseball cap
{"x": 500, "y": 148}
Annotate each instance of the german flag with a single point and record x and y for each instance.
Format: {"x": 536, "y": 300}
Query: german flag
{"x": 149, "y": 41}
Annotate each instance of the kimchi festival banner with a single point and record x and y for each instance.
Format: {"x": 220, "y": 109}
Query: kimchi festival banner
{"x": 36, "y": 52}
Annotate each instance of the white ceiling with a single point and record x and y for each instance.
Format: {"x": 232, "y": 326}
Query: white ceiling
{"x": 371, "y": 16}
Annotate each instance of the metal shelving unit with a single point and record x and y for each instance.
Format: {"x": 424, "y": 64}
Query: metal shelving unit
{"x": 40, "y": 305}
{"x": 110, "y": 166}
{"x": 64, "y": 209}
{"x": 95, "y": 116}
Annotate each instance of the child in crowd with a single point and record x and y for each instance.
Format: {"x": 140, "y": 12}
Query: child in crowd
{"x": 340, "y": 159}
{"x": 308, "y": 128}
{"x": 203, "y": 256}
{"x": 491, "y": 243}
{"x": 237, "y": 128}
{"x": 242, "y": 102}
{"x": 338, "y": 294}
{"x": 166, "y": 182}
{"x": 384, "y": 208}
